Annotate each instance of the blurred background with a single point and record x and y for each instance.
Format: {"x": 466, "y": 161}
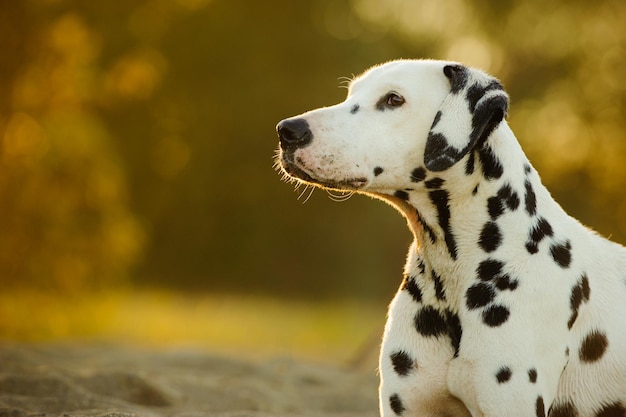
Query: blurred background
{"x": 138, "y": 203}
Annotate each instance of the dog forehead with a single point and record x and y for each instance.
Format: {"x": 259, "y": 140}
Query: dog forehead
{"x": 406, "y": 74}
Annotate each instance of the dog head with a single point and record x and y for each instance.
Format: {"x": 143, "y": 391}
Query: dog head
{"x": 400, "y": 121}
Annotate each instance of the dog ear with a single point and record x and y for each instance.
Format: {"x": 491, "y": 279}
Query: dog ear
{"x": 474, "y": 107}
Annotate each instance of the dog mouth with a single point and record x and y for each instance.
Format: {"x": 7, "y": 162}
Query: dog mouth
{"x": 294, "y": 170}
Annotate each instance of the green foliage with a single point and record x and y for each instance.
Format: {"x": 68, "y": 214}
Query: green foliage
{"x": 137, "y": 137}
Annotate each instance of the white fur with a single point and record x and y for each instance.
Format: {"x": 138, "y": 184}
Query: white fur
{"x": 346, "y": 148}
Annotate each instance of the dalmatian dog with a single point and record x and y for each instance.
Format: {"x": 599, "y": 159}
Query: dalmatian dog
{"x": 508, "y": 306}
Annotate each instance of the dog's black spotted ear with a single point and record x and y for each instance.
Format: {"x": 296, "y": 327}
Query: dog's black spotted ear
{"x": 474, "y": 107}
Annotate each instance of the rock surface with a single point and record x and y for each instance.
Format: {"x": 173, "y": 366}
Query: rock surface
{"x": 78, "y": 380}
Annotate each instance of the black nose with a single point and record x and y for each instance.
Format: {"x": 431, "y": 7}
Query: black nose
{"x": 294, "y": 134}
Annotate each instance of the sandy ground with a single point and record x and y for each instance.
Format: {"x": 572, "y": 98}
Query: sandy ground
{"x": 74, "y": 380}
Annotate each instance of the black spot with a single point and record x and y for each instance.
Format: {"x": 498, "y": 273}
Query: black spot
{"x": 412, "y": 288}
{"x": 527, "y": 168}
{"x": 439, "y": 292}
{"x": 450, "y": 244}
{"x": 532, "y": 247}
{"x": 612, "y": 410}
{"x": 430, "y": 322}
{"x": 537, "y": 234}
{"x": 542, "y": 229}
{"x": 495, "y": 315}
{"x": 495, "y": 207}
{"x": 505, "y": 191}
{"x": 418, "y": 174}
{"x": 580, "y": 293}
{"x": 530, "y": 199}
{"x": 492, "y": 168}
{"x": 505, "y": 196}
{"x": 396, "y": 404}
{"x": 563, "y": 409}
{"x": 402, "y": 362}
{"x": 561, "y": 253}
{"x": 504, "y": 282}
{"x": 355, "y": 109}
{"x": 513, "y": 202}
{"x": 421, "y": 266}
{"x": 593, "y": 346}
{"x": 401, "y": 194}
{"x": 540, "y": 408}
{"x": 434, "y": 183}
{"x": 490, "y": 237}
{"x": 475, "y": 190}
{"x": 572, "y": 319}
{"x": 436, "y": 119}
{"x": 532, "y": 375}
{"x": 455, "y": 331}
{"x": 438, "y": 154}
{"x": 479, "y": 295}
{"x": 457, "y": 74}
{"x": 489, "y": 269}
{"x": 427, "y": 229}
{"x": 504, "y": 374}
{"x": 378, "y": 171}
{"x": 509, "y": 196}
{"x": 584, "y": 284}
{"x": 440, "y": 198}
{"x": 469, "y": 165}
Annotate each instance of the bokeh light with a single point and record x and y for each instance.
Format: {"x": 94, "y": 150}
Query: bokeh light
{"x": 136, "y": 145}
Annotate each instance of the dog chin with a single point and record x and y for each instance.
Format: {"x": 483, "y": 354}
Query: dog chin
{"x": 348, "y": 184}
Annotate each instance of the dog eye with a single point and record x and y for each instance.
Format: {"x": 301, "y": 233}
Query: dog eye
{"x": 394, "y": 100}
{"x": 390, "y": 101}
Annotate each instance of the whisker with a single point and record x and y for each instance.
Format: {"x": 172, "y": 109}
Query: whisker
{"x": 301, "y": 193}
{"x": 308, "y": 188}
{"x": 341, "y": 196}
{"x": 276, "y": 164}
{"x": 344, "y": 82}
{"x": 283, "y": 175}
{"x": 310, "y": 194}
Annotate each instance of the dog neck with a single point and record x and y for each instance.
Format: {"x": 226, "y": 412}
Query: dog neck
{"x": 463, "y": 214}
